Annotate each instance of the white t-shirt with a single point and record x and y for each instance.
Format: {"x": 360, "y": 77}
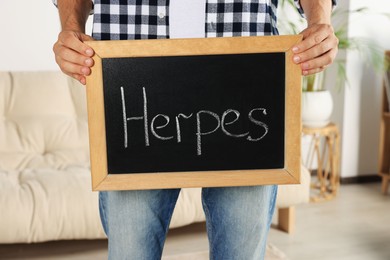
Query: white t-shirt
{"x": 186, "y": 18}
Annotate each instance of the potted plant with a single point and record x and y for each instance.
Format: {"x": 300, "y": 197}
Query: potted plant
{"x": 317, "y": 102}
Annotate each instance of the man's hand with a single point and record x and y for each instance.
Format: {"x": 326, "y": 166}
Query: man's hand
{"x": 319, "y": 46}
{"x": 73, "y": 56}
{"x": 317, "y": 50}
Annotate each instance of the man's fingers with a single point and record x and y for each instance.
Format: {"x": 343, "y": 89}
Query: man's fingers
{"x": 72, "y": 68}
{"x": 312, "y": 37}
{"x": 73, "y": 41}
{"x": 80, "y": 78}
{"x": 320, "y": 63}
{"x": 74, "y": 57}
{"x": 316, "y": 51}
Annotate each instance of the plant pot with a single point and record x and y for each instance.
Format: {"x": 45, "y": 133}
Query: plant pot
{"x": 317, "y": 107}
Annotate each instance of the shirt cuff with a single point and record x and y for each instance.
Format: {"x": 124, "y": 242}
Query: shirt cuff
{"x": 90, "y": 13}
{"x": 300, "y": 9}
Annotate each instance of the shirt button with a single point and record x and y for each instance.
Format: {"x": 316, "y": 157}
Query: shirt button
{"x": 161, "y": 15}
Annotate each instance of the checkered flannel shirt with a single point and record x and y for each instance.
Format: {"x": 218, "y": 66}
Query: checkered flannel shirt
{"x": 149, "y": 19}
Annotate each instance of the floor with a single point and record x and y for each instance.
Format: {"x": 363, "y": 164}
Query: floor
{"x": 354, "y": 226}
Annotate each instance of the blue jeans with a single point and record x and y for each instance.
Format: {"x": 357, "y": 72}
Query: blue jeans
{"x": 237, "y": 221}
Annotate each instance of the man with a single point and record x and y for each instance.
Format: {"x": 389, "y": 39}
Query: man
{"x": 237, "y": 218}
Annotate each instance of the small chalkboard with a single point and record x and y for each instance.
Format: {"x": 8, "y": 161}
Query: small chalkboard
{"x": 194, "y": 113}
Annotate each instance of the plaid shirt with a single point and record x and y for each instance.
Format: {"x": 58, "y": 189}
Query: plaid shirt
{"x": 149, "y": 19}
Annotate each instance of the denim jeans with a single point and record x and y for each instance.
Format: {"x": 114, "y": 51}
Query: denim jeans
{"x": 237, "y": 221}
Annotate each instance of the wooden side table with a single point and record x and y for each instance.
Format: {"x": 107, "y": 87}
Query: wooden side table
{"x": 326, "y": 150}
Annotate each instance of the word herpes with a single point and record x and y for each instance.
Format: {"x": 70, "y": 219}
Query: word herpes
{"x": 220, "y": 122}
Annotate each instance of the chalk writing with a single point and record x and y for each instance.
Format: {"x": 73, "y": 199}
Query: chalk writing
{"x": 199, "y": 130}
{"x": 220, "y": 123}
{"x": 159, "y": 127}
{"x": 178, "y": 125}
{"x": 145, "y": 117}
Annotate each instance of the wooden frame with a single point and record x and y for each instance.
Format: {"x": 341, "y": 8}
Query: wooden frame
{"x": 384, "y": 138}
{"x": 102, "y": 180}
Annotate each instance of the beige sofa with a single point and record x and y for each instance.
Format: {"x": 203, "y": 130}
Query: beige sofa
{"x": 45, "y": 189}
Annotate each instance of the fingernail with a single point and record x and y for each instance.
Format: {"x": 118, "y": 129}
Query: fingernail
{"x": 305, "y": 66}
{"x": 89, "y": 52}
{"x": 88, "y": 61}
{"x": 297, "y": 59}
{"x": 295, "y": 49}
{"x": 305, "y": 72}
{"x": 84, "y": 71}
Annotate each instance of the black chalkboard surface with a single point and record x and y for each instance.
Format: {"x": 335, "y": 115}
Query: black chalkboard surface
{"x": 194, "y": 113}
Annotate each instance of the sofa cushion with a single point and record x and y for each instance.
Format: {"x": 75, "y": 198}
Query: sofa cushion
{"x": 41, "y": 124}
{"x": 48, "y": 204}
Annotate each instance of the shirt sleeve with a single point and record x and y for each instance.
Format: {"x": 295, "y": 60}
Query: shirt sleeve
{"x": 55, "y": 3}
{"x": 300, "y": 9}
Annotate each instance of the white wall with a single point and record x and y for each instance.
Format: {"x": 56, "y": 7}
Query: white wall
{"x": 28, "y": 30}
{"x": 360, "y": 110}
